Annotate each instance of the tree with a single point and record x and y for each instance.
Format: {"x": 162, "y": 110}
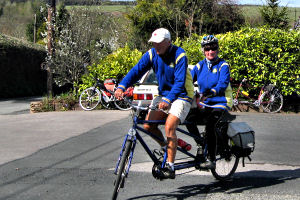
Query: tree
{"x": 83, "y": 38}
{"x": 40, "y": 11}
{"x": 182, "y": 18}
{"x": 50, "y": 45}
{"x": 273, "y": 16}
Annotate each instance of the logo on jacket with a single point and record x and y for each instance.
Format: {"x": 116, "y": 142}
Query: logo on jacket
{"x": 171, "y": 64}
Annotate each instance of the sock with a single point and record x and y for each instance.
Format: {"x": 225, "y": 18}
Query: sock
{"x": 171, "y": 165}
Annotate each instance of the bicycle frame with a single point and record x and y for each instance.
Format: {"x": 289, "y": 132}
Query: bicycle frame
{"x": 134, "y": 135}
{"x": 103, "y": 91}
{"x": 251, "y": 100}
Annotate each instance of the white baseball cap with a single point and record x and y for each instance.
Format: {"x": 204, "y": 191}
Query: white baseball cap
{"x": 159, "y": 35}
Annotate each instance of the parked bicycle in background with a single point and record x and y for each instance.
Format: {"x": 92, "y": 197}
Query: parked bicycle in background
{"x": 269, "y": 97}
{"x": 103, "y": 92}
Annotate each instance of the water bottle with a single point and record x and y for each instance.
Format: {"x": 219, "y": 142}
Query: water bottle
{"x": 184, "y": 145}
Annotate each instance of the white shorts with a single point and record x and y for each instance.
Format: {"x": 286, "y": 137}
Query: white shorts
{"x": 179, "y": 108}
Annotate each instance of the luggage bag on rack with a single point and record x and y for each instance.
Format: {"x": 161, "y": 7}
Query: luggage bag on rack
{"x": 243, "y": 139}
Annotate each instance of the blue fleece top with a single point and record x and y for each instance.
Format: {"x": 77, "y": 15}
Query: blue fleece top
{"x": 214, "y": 81}
{"x": 172, "y": 73}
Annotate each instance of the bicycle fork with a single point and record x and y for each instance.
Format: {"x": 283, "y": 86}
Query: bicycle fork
{"x": 129, "y": 136}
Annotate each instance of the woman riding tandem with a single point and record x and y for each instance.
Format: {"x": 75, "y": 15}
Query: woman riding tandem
{"x": 215, "y": 98}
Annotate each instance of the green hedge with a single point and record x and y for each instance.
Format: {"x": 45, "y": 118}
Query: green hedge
{"x": 261, "y": 55}
{"x": 264, "y": 55}
{"x": 21, "y": 74}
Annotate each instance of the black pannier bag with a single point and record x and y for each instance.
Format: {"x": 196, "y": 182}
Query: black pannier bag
{"x": 243, "y": 139}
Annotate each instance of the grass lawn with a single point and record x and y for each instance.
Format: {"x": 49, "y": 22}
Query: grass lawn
{"x": 252, "y": 12}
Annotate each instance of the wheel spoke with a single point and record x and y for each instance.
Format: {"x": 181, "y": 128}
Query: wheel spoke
{"x": 89, "y": 99}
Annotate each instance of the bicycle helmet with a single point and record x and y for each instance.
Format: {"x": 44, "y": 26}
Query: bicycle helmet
{"x": 209, "y": 39}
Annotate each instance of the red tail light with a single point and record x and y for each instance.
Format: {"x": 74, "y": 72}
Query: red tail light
{"x": 149, "y": 96}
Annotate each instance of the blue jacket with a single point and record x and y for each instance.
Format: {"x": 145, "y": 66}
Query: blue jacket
{"x": 215, "y": 82}
{"x": 172, "y": 73}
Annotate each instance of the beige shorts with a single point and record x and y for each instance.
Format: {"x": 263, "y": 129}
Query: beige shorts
{"x": 179, "y": 108}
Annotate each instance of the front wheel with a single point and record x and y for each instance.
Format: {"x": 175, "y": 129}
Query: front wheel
{"x": 271, "y": 102}
{"x": 225, "y": 167}
{"x": 89, "y": 98}
{"x": 122, "y": 171}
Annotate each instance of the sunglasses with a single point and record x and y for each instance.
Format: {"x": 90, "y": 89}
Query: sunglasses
{"x": 213, "y": 49}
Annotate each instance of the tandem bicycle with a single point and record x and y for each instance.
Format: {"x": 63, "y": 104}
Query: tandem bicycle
{"x": 227, "y": 159}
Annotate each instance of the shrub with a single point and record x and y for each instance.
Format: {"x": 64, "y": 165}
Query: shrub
{"x": 260, "y": 55}
{"x": 62, "y": 102}
{"x": 115, "y": 65}
{"x": 263, "y": 55}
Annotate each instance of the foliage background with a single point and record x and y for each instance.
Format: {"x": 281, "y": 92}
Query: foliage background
{"x": 264, "y": 54}
{"x": 261, "y": 55}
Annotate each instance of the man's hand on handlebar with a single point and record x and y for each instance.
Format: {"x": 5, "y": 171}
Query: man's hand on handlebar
{"x": 119, "y": 94}
{"x": 164, "y": 106}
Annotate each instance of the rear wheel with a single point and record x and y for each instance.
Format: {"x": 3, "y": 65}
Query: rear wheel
{"x": 122, "y": 171}
{"x": 226, "y": 161}
{"x": 271, "y": 102}
{"x": 124, "y": 104}
{"x": 89, "y": 98}
{"x": 225, "y": 167}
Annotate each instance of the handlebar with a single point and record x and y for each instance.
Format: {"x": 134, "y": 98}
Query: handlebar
{"x": 140, "y": 108}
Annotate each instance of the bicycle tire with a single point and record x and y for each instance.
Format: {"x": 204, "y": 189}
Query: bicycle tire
{"x": 225, "y": 167}
{"x": 121, "y": 175}
{"x": 124, "y": 104}
{"x": 271, "y": 102}
{"x": 89, "y": 98}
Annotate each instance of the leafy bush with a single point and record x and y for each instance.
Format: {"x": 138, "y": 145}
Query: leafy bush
{"x": 115, "y": 65}
{"x": 192, "y": 46}
{"x": 260, "y": 55}
{"x": 263, "y": 55}
{"x": 62, "y": 102}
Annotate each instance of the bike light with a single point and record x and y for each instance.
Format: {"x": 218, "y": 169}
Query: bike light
{"x": 149, "y": 96}
{"x": 138, "y": 96}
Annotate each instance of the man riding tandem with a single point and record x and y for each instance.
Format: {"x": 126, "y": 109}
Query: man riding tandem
{"x": 175, "y": 86}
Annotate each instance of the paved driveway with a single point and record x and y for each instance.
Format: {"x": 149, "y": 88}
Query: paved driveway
{"x": 17, "y": 105}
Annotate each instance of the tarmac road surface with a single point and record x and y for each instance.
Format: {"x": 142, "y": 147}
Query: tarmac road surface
{"x": 71, "y": 155}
